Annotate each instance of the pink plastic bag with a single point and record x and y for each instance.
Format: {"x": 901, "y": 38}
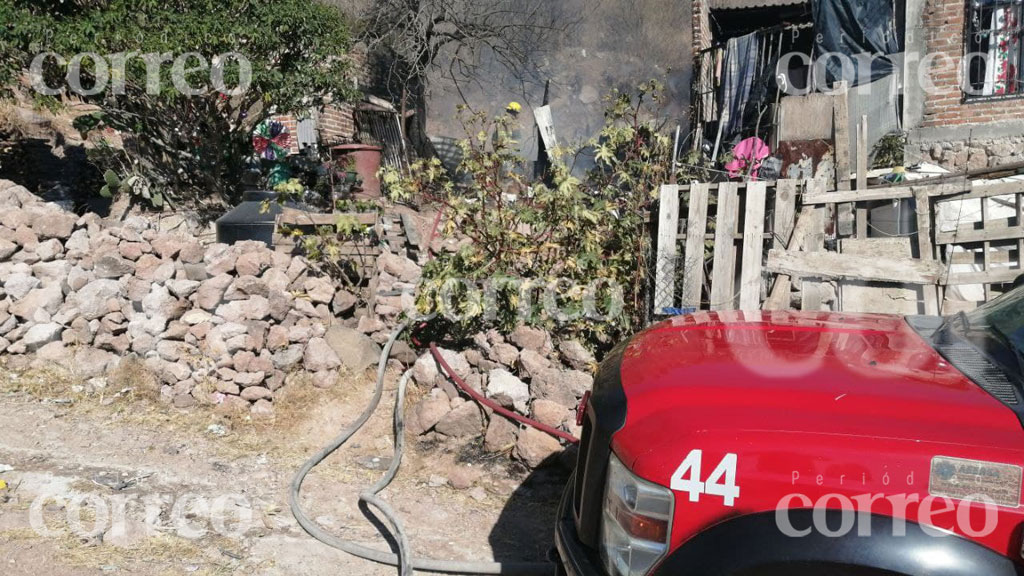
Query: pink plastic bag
{"x": 749, "y": 152}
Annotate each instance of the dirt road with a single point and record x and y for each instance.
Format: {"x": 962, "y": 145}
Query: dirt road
{"x": 108, "y": 483}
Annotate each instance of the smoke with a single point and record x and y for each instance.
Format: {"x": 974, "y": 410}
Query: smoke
{"x": 608, "y": 44}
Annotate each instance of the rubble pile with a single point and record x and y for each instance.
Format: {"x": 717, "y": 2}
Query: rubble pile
{"x": 216, "y": 324}
{"x": 526, "y": 372}
{"x": 229, "y": 326}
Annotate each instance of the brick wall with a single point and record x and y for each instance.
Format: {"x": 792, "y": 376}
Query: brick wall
{"x": 943, "y": 22}
{"x": 701, "y": 26}
{"x": 335, "y": 123}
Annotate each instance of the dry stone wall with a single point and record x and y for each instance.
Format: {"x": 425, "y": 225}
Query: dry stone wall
{"x": 229, "y": 326}
{"x": 216, "y": 324}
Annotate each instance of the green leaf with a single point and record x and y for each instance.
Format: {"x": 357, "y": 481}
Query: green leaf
{"x": 112, "y": 179}
{"x": 105, "y": 192}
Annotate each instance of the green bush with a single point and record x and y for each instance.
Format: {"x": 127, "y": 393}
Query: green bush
{"x": 187, "y": 149}
{"x": 580, "y": 242}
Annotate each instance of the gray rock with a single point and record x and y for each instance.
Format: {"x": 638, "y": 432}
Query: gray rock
{"x": 501, "y": 434}
{"x": 535, "y": 447}
{"x": 532, "y": 363}
{"x": 246, "y": 379}
{"x": 19, "y": 284}
{"x": 262, "y": 410}
{"x": 251, "y": 286}
{"x": 77, "y": 278}
{"x": 427, "y": 413}
{"x": 211, "y": 292}
{"x": 7, "y": 248}
{"x": 47, "y": 250}
{"x": 48, "y": 299}
{"x": 77, "y": 245}
{"x": 508, "y": 390}
{"x": 462, "y": 422}
{"x": 58, "y": 225}
{"x": 457, "y": 362}
{"x": 577, "y": 355}
{"x": 550, "y": 413}
{"x": 319, "y": 290}
{"x": 355, "y": 349}
{"x": 51, "y": 272}
{"x": 402, "y": 268}
{"x": 344, "y": 302}
{"x": 424, "y": 370}
{"x": 159, "y": 303}
{"x": 254, "y": 393}
{"x": 531, "y": 339}
{"x": 289, "y": 358}
{"x": 182, "y": 288}
{"x": 196, "y": 316}
{"x": 503, "y": 353}
{"x": 110, "y": 266}
{"x": 561, "y": 386}
{"x": 252, "y": 263}
{"x": 90, "y": 362}
{"x": 320, "y": 356}
{"x": 92, "y": 299}
{"x": 41, "y": 334}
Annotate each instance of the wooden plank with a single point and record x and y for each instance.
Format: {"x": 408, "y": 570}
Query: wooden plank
{"x": 940, "y": 191}
{"x": 970, "y": 191}
{"x": 785, "y": 213}
{"x": 293, "y": 217}
{"x": 1019, "y": 205}
{"x": 862, "y": 175}
{"x": 753, "y": 246}
{"x": 847, "y": 266}
{"x": 986, "y": 248}
{"x": 926, "y": 250}
{"x": 999, "y": 229}
{"x": 841, "y": 143}
{"x": 693, "y": 264}
{"x": 994, "y": 276}
{"x": 973, "y": 258}
{"x": 723, "y": 271}
{"x": 412, "y": 230}
{"x": 814, "y": 242}
{"x": 841, "y": 134}
{"x": 668, "y": 224}
{"x": 779, "y": 297}
{"x": 870, "y": 297}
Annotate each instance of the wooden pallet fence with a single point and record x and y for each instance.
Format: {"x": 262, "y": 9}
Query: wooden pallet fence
{"x": 778, "y": 230}
{"x": 747, "y": 218}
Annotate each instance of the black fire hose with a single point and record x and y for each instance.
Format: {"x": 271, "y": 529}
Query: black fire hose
{"x": 404, "y": 560}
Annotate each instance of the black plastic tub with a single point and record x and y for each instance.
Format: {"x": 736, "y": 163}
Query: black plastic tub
{"x": 248, "y": 221}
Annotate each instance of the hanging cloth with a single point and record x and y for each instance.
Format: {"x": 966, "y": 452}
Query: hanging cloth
{"x": 737, "y": 78}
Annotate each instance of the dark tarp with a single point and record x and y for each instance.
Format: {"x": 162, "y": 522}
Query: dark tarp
{"x": 857, "y": 29}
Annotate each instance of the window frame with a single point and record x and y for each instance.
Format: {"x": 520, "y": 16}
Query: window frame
{"x": 968, "y": 33}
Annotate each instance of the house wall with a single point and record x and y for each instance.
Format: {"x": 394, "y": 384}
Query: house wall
{"x": 701, "y": 26}
{"x": 943, "y": 127}
{"x": 335, "y": 123}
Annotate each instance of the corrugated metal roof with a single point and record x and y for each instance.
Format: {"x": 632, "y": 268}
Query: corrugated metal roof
{"x": 745, "y": 4}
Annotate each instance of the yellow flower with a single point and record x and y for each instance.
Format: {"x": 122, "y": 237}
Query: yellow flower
{"x": 514, "y": 107}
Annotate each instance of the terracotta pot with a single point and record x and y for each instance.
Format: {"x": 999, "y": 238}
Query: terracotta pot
{"x": 365, "y": 161}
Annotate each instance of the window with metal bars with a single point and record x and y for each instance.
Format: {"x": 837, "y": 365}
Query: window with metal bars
{"x": 995, "y": 49}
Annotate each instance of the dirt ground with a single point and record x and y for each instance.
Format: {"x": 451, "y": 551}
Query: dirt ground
{"x": 110, "y": 482}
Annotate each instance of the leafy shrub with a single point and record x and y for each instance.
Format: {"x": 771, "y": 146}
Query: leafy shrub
{"x": 571, "y": 253}
{"x": 188, "y": 148}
